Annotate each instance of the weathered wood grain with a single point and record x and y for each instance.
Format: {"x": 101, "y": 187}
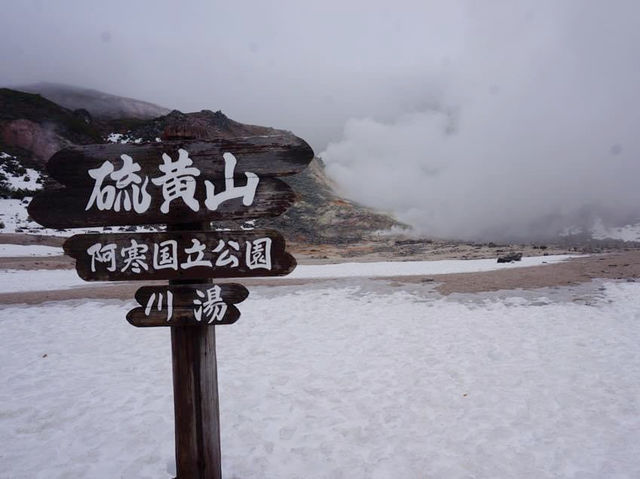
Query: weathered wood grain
{"x": 262, "y": 155}
{"x": 67, "y": 207}
{"x": 183, "y": 294}
{"x": 196, "y": 403}
{"x": 181, "y": 317}
{"x": 237, "y": 257}
{"x": 186, "y": 299}
{"x": 195, "y": 394}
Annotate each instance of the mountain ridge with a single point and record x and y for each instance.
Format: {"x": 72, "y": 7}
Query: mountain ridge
{"x": 32, "y": 128}
{"x": 98, "y": 103}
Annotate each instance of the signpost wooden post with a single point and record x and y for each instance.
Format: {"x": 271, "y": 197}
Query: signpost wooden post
{"x": 184, "y": 185}
{"x": 196, "y": 404}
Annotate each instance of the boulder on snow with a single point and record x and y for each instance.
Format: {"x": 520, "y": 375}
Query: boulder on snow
{"x": 509, "y": 258}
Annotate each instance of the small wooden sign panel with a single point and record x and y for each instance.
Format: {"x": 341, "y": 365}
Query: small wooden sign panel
{"x": 179, "y": 255}
{"x": 187, "y": 305}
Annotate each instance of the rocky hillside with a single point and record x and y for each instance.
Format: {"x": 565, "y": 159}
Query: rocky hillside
{"x": 33, "y": 127}
{"x": 98, "y": 104}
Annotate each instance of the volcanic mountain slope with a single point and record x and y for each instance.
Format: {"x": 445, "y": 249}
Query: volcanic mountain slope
{"x": 319, "y": 215}
{"x": 32, "y": 128}
{"x": 97, "y": 103}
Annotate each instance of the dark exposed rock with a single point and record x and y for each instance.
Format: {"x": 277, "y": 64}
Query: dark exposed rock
{"x": 17, "y": 105}
{"x": 508, "y": 258}
{"x": 411, "y": 242}
{"x": 84, "y": 115}
{"x": 27, "y": 135}
{"x": 203, "y": 125}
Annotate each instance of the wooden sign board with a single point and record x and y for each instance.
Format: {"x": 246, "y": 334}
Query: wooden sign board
{"x": 170, "y": 182}
{"x": 187, "y": 305}
{"x": 179, "y": 255}
{"x": 75, "y": 208}
{"x": 275, "y": 155}
{"x": 179, "y": 184}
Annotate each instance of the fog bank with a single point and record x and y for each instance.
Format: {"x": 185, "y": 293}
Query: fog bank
{"x": 536, "y": 129}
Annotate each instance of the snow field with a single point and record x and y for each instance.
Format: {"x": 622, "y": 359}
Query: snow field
{"x": 16, "y": 250}
{"x": 29, "y": 180}
{"x": 353, "y": 381}
{"x": 417, "y": 268}
{"x": 16, "y": 280}
{"x": 12, "y": 281}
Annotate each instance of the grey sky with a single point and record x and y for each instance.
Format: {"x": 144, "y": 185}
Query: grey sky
{"x": 464, "y": 118}
{"x": 306, "y": 66}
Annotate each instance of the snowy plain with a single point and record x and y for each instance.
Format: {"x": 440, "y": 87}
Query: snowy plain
{"x": 13, "y": 281}
{"x": 17, "y": 250}
{"x": 349, "y": 378}
{"x": 412, "y": 268}
{"x": 29, "y": 179}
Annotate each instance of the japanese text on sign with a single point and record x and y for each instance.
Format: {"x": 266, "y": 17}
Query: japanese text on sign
{"x": 138, "y": 257}
{"x": 177, "y": 181}
{"x": 208, "y": 305}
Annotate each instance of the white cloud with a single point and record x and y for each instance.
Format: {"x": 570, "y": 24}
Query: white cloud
{"x": 543, "y": 131}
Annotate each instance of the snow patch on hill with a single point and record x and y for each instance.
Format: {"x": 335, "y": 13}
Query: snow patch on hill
{"x": 15, "y": 177}
{"x": 122, "y": 138}
{"x": 18, "y": 250}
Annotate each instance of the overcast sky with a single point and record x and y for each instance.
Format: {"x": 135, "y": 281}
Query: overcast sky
{"x": 464, "y": 118}
{"x": 305, "y": 66}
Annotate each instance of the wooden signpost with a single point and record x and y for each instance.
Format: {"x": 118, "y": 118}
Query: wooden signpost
{"x": 184, "y": 185}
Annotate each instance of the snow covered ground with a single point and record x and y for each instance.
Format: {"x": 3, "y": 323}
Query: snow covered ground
{"x": 349, "y": 379}
{"x": 7, "y": 250}
{"x": 15, "y": 280}
{"x": 123, "y": 138}
{"x": 12, "y": 281}
{"x": 409, "y": 268}
{"x": 29, "y": 179}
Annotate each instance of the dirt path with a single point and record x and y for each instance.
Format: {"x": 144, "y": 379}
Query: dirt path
{"x": 39, "y": 262}
{"x": 621, "y": 265}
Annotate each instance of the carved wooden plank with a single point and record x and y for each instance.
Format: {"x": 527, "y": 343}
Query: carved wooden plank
{"x": 72, "y": 207}
{"x": 275, "y": 155}
{"x": 187, "y": 305}
{"x": 179, "y": 255}
{"x": 184, "y": 294}
{"x": 180, "y": 317}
